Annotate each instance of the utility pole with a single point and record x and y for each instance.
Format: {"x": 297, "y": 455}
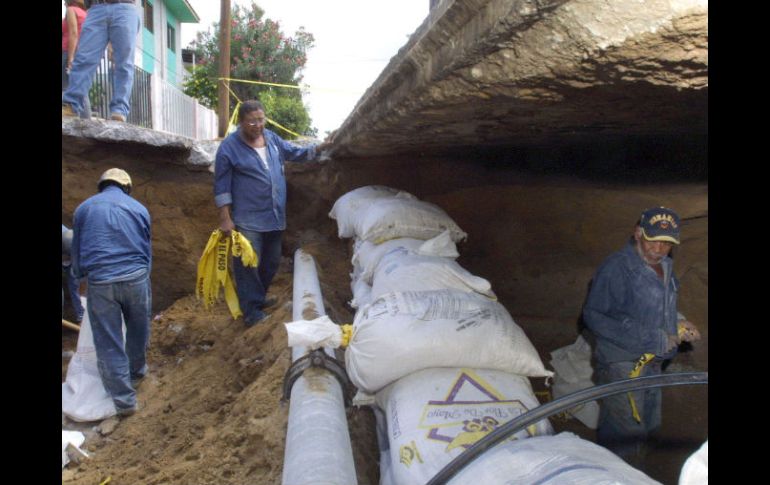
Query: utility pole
{"x": 224, "y": 66}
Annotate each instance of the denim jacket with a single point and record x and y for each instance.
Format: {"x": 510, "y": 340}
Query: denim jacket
{"x": 257, "y": 195}
{"x": 629, "y": 309}
{"x": 111, "y": 238}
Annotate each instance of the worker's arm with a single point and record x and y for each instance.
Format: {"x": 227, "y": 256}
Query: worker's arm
{"x": 72, "y": 35}
{"x": 75, "y": 269}
{"x": 226, "y": 224}
{"x": 223, "y": 179}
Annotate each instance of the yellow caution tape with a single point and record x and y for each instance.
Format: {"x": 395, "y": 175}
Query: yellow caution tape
{"x": 232, "y": 121}
{"x": 637, "y": 370}
{"x": 290, "y": 86}
{"x": 215, "y": 271}
{"x": 347, "y": 334}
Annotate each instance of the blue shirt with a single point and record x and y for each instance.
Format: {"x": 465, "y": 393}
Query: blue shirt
{"x": 111, "y": 240}
{"x": 257, "y": 195}
{"x": 630, "y": 309}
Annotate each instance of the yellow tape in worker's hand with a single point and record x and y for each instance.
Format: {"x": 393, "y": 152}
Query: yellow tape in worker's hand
{"x": 637, "y": 370}
{"x": 215, "y": 270}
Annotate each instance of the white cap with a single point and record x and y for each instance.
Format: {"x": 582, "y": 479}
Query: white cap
{"x": 117, "y": 175}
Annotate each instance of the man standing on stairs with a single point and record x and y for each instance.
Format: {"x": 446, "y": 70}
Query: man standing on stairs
{"x": 250, "y": 192}
{"x": 109, "y": 21}
{"x": 111, "y": 246}
{"x": 631, "y": 310}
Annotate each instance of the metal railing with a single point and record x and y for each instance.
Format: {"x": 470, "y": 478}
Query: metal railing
{"x": 154, "y": 104}
{"x": 102, "y": 88}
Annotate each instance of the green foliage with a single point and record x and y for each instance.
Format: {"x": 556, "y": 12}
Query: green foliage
{"x": 259, "y": 51}
{"x": 199, "y": 85}
{"x": 289, "y": 112}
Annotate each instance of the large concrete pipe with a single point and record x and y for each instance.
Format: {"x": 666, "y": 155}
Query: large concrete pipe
{"x": 318, "y": 447}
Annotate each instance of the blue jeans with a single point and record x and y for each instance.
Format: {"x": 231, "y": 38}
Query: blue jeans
{"x": 65, "y": 81}
{"x": 618, "y": 431}
{"x": 116, "y": 23}
{"x": 118, "y": 363}
{"x": 252, "y": 283}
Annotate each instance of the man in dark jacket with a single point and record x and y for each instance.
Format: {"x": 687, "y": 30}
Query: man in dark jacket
{"x": 631, "y": 310}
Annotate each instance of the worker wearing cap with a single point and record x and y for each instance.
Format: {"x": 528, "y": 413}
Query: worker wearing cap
{"x": 631, "y": 310}
{"x": 111, "y": 247}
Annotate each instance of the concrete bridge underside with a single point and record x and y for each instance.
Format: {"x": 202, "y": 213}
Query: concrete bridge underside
{"x": 503, "y": 73}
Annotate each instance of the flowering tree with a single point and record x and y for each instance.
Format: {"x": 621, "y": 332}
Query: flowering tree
{"x": 259, "y": 51}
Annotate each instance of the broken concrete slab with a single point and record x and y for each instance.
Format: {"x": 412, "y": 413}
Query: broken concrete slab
{"x": 197, "y": 154}
{"x": 526, "y": 72}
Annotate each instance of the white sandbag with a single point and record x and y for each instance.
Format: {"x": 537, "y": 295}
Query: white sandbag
{"x": 83, "y": 396}
{"x": 314, "y": 334}
{"x": 572, "y": 364}
{"x": 400, "y": 333}
{"x": 348, "y": 208}
{"x": 401, "y": 271}
{"x": 696, "y": 469}
{"x": 74, "y": 438}
{"x": 435, "y": 414}
{"x": 400, "y": 217}
{"x": 362, "y": 293}
{"x": 368, "y": 255}
{"x": 561, "y": 459}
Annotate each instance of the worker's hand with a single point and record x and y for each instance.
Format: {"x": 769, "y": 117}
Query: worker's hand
{"x": 226, "y": 226}
{"x": 673, "y": 342}
{"x": 687, "y": 331}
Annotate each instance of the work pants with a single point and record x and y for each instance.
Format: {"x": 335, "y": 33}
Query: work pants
{"x": 252, "y": 283}
{"x": 109, "y": 305}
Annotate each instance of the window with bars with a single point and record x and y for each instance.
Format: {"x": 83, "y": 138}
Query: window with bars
{"x": 148, "y": 23}
{"x": 171, "y": 37}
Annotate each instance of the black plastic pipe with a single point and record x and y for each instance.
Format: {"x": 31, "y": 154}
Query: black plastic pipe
{"x": 562, "y": 404}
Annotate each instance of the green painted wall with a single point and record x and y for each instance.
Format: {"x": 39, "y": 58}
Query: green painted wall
{"x": 148, "y": 47}
{"x": 171, "y": 55}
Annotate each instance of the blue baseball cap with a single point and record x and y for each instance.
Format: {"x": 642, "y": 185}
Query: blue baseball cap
{"x": 660, "y": 224}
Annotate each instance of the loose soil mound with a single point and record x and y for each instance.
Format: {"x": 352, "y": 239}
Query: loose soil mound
{"x": 210, "y": 409}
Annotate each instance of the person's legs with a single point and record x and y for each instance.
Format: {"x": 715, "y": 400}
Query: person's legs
{"x": 123, "y": 30}
{"x": 269, "y": 259}
{"x": 91, "y": 45}
{"x": 136, "y": 299}
{"x": 618, "y": 431}
{"x": 251, "y": 292}
{"x": 105, "y": 314}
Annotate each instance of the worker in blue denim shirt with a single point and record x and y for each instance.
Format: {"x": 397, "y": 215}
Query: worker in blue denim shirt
{"x": 631, "y": 310}
{"x": 111, "y": 247}
{"x": 250, "y": 192}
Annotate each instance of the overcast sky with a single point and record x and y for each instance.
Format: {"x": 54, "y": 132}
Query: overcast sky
{"x": 354, "y": 41}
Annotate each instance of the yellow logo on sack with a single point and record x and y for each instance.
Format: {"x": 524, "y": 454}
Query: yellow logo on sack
{"x": 408, "y": 453}
{"x": 472, "y": 409}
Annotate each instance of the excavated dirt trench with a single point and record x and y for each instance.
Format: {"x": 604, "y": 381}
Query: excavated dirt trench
{"x": 211, "y": 411}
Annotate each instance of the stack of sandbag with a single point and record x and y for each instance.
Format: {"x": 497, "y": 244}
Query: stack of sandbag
{"x": 439, "y": 359}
